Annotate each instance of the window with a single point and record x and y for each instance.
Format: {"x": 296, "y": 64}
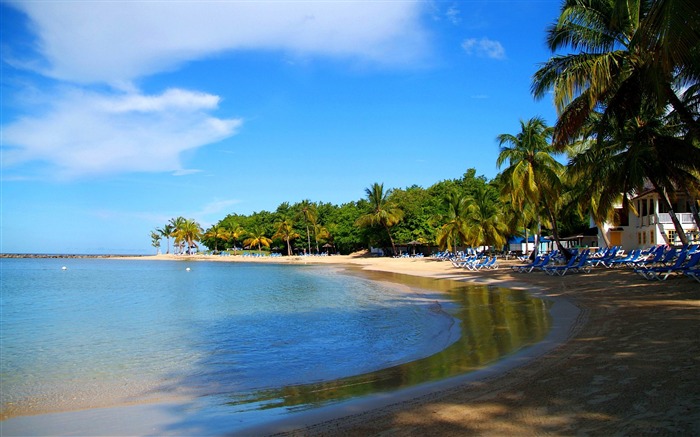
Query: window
{"x": 639, "y": 238}
{"x": 671, "y": 236}
{"x": 651, "y": 237}
{"x": 644, "y": 238}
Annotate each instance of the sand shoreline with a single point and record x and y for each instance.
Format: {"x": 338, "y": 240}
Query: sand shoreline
{"x": 629, "y": 366}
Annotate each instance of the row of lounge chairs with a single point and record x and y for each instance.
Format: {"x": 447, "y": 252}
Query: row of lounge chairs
{"x": 476, "y": 263}
{"x": 657, "y": 263}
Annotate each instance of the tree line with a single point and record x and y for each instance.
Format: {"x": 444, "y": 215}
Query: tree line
{"x": 628, "y": 103}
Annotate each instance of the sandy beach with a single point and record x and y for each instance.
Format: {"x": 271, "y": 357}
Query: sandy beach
{"x": 628, "y": 366}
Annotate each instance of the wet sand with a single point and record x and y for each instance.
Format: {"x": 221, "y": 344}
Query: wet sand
{"x": 628, "y": 366}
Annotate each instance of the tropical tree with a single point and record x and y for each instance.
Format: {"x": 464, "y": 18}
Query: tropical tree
{"x": 308, "y": 214}
{"x": 166, "y": 232}
{"x": 236, "y": 232}
{"x": 638, "y": 152}
{"x": 625, "y": 53}
{"x": 188, "y": 233}
{"x": 285, "y": 231}
{"x": 155, "y": 240}
{"x": 484, "y": 218}
{"x": 176, "y": 224}
{"x": 320, "y": 233}
{"x": 256, "y": 237}
{"x": 533, "y": 176}
{"x": 217, "y": 233}
{"x": 454, "y": 230}
{"x": 382, "y": 212}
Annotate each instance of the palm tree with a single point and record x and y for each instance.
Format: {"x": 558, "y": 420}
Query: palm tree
{"x": 285, "y": 231}
{"x": 257, "y": 238}
{"x": 216, "y": 233}
{"x": 320, "y": 232}
{"x": 382, "y": 212}
{"x": 533, "y": 176}
{"x": 484, "y": 218}
{"x": 627, "y": 52}
{"x": 640, "y": 151}
{"x": 454, "y": 230}
{"x": 189, "y": 233}
{"x": 176, "y": 224}
{"x": 235, "y": 233}
{"x": 166, "y": 232}
{"x": 155, "y": 240}
{"x": 309, "y": 215}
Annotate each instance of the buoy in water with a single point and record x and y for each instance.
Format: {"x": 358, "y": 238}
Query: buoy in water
{"x": 188, "y": 269}
{"x": 64, "y": 268}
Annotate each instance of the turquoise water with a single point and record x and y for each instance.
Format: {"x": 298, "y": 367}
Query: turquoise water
{"x": 239, "y": 336}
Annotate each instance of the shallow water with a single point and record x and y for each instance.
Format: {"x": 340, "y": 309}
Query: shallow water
{"x": 246, "y": 339}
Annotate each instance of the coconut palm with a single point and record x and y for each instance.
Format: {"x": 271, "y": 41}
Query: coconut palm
{"x": 533, "y": 176}
{"x": 155, "y": 240}
{"x": 309, "y": 215}
{"x": 166, "y": 232}
{"x": 484, "y": 218}
{"x": 382, "y": 212}
{"x": 257, "y": 238}
{"x": 188, "y": 233}
{"x": 454, "y": 230}
{"x": 285, "y": 231}
{"x": 627, "y": 51}
{"x": 216, "y": 233}
{"x": 177, "y": 223}
{"x": 320, "y": 232}
{"x": 235, "y": 233}
{"x": 637, "y": 152}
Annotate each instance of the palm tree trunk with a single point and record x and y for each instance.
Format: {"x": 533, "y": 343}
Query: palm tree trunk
{"x": 693, "y": 207}
{"x": 393, "y": 247}
{"x": 289, "y": 248}
{"x": 555, "y": 234}
{"x": 600, "y": 226}
{"x": 676, "y": 223}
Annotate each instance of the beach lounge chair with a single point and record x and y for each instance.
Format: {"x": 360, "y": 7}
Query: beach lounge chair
{"x": 579, "y": 265}
{"x": 663, "y": 272}
{"x": 527, "y": 268}
{"x": 693, "y": 273}
{"x": 555, "y": 269}
{"x": 488, "y": 263}
{"x": 630, "y": 258}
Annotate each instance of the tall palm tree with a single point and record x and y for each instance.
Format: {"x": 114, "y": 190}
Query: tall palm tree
{"x": 533, "y": 176}
{"x": 382, "y": 212}
{"x": 177, "y": 223}
{"x": 235, "y": 233}
{"x": 454, "y": 230}
{"x": 189, "y": 233}
{"x": 155, "y": 239}
{"x": 484, "y": 218}
{"x": 309, "y": 215}
{"x": 627, "y": 52}
{"x": 639, "y": 151}
{"x": 285, "y": 231}
{"x": 320, "y": 232}
{"x": 216, "y": 233}
{"x": 257, "y": 238}
{"x": 166, "y": 232}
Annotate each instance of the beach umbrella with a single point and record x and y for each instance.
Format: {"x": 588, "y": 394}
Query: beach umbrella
{"x": 414, "y": 243}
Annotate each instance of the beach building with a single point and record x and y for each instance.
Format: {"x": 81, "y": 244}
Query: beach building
{"x": 650, "y": 224}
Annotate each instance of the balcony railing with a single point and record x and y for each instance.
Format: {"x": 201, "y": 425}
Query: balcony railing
{"x": 685, "y": 218}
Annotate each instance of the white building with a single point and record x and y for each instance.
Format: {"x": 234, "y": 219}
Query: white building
{"x": 651, "y": 225}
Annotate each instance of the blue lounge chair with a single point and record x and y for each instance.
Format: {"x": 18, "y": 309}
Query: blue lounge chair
{"x": 555, "y": 269}
{"x": 539, "y": 262}
{"x": 661, "y": 273}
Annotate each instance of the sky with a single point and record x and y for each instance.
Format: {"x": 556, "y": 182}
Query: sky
{"x": 118, "y": 116}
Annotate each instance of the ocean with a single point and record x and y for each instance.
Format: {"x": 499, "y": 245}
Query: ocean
{"x": 247, "y": 341}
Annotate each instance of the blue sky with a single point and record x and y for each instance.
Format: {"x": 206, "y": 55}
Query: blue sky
{"x": 117, "y": 116}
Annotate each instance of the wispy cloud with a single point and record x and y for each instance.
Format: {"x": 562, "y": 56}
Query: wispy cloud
{"x": 453, "y": 15}
{"x": 113, "y": 42}
{"x": 484, "y": 47}
{"x": 86, "y": 133}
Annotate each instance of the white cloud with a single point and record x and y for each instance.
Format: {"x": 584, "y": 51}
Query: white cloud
{"x": 115, "y": 42}
{"x": 84, "y": 133}
{"x": 484, "y": 47}
{"x": 453, "y": 15}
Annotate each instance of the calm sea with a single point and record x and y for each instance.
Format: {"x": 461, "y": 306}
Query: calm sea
{"x": 250, "y": 340}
